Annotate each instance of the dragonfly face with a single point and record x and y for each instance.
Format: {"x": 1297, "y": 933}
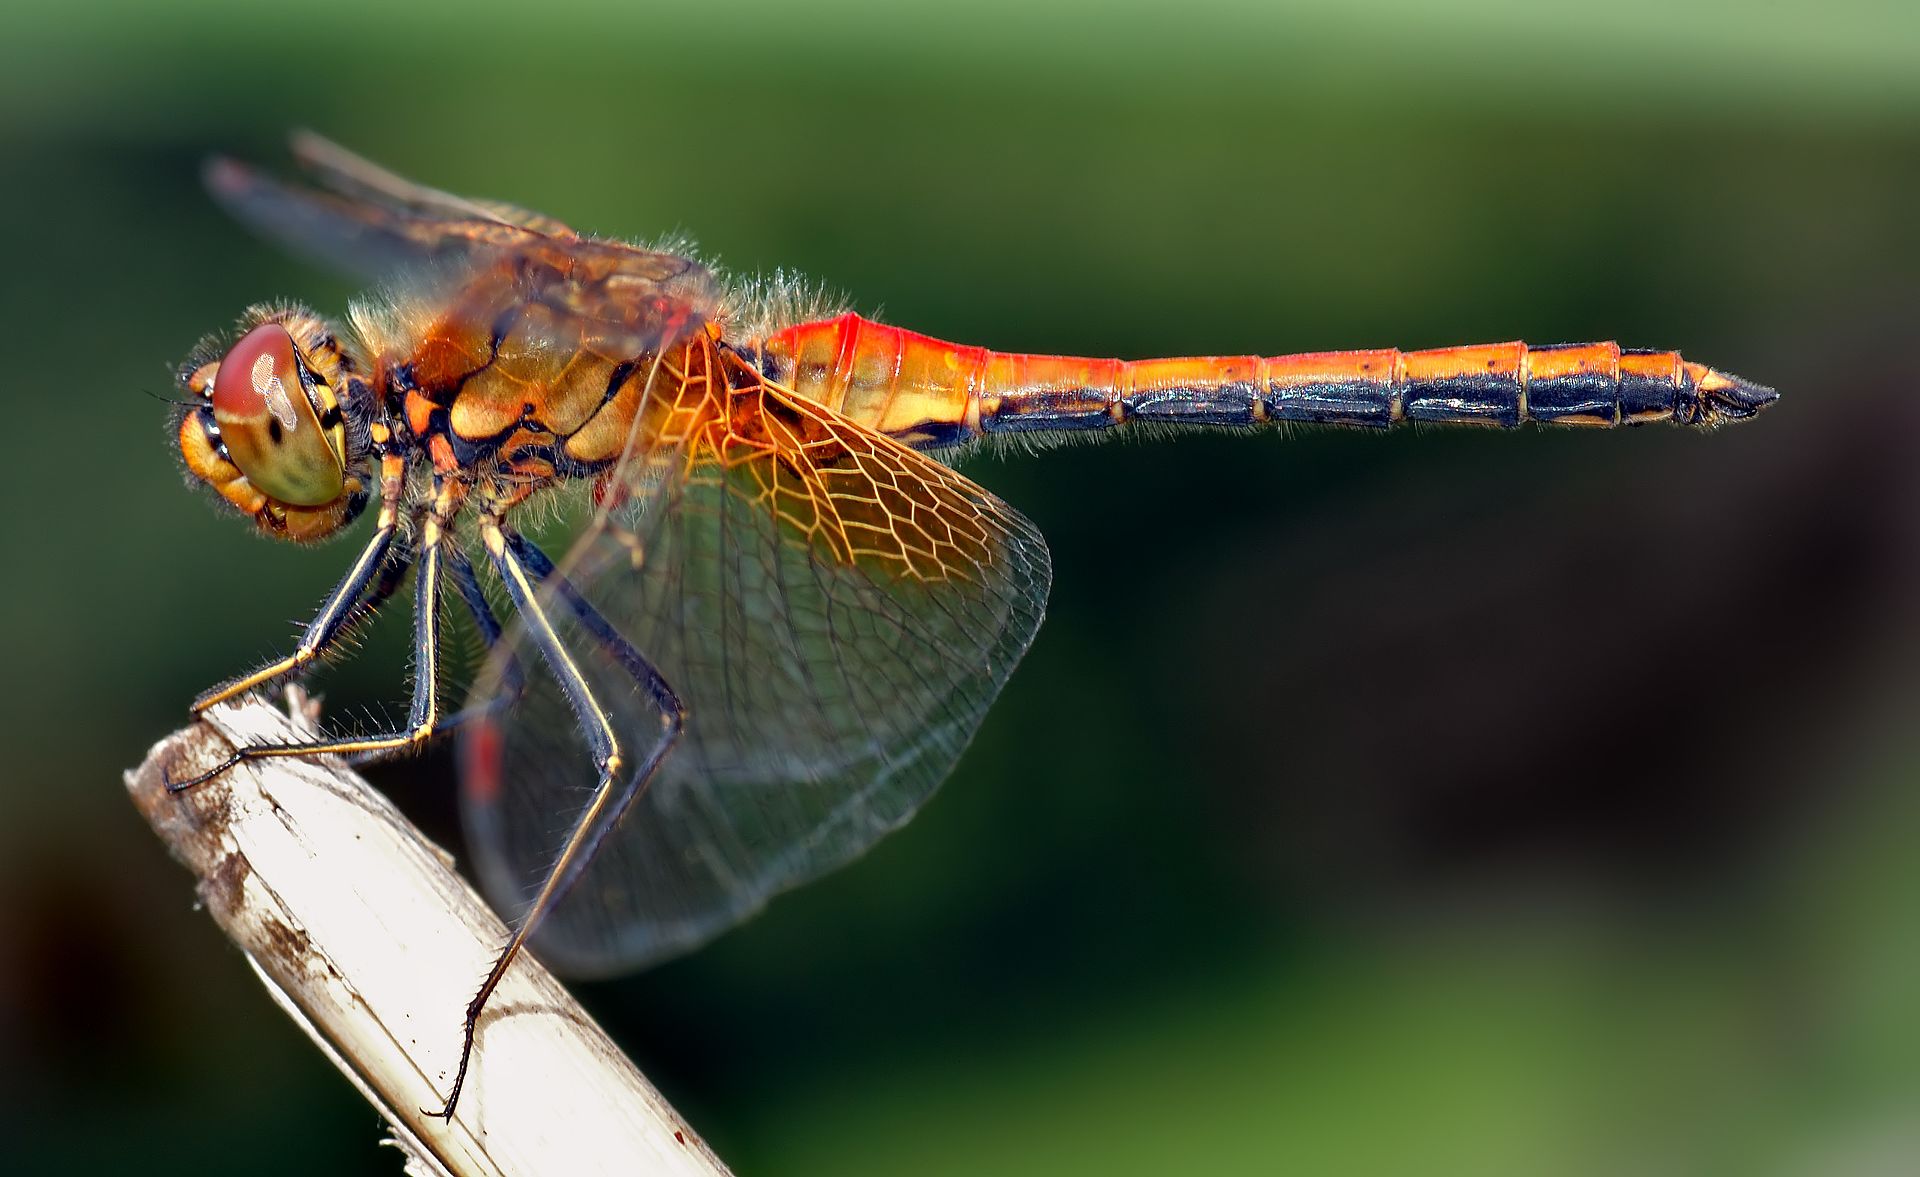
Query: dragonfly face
{"x": 788, "y": 614}
{"x": 277, "y": 426}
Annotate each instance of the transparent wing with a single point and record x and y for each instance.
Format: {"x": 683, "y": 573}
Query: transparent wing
{"x": 835, "y": 611}
{"x": 368, "y": 223}
{"x": 366, "y": 182}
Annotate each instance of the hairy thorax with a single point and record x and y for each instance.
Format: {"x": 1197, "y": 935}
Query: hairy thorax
{"x": 507, "y": 390}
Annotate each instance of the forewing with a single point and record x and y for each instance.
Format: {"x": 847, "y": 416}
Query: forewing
{"x": 368, "y": 223}
{"x": 358, "y": 238}
{"x": 835, "y": 611}
{"x": 360, "y": 179}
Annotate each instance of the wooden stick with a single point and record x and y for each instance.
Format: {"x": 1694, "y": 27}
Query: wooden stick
{"x": 368, "y": 939}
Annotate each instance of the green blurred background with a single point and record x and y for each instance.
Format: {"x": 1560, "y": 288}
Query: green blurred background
{"x": 1441, "y": 802}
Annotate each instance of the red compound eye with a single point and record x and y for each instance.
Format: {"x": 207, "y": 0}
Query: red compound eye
{"x": 268, "y": 424}
{"x": 259, "y": 379}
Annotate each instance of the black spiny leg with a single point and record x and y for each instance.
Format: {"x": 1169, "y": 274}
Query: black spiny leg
{"x": 522, "y": 568}
{"x": 350, "y": 601}
{"x": 424, "y": 714}
{"x": 512, "y": 679}
{"x": 392, "y": 575}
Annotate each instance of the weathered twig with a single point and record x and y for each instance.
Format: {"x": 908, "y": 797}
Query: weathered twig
{"x": 368, "y": 939}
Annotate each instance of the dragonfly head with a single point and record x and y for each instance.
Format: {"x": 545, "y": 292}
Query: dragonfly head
{"x": 275, "y": 423}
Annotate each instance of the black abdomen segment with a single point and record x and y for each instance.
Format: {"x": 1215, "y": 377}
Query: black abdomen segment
{"x": 1593, "y": 384}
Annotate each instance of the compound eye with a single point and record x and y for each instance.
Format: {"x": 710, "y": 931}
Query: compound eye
{"x": 268, "y": 424}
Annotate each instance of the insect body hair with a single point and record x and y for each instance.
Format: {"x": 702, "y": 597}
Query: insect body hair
{"x": 756, "y": 306}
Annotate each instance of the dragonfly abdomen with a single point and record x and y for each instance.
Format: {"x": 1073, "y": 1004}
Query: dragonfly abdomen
{"x": 932, "y": 394}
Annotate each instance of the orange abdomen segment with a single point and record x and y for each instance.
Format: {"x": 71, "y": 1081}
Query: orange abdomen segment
{"x": 932, "y": 394}
{"x": 918, "y": 389}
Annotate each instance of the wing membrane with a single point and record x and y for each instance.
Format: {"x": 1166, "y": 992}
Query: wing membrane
{"x": 365, "y": 182}
{"x": 836, "y": 612}
{"x": 368, "y": 223}
{"x": 361, "y": 239}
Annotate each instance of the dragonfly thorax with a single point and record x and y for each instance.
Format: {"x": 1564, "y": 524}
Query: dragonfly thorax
{"x": 277, "y": 424}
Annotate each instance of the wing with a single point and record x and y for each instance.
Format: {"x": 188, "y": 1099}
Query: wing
{"x": 368, "y": 183}
{"x": 368, "y": 223}
{"x": 836, "y": 612}
{"x": 507, "y": 306}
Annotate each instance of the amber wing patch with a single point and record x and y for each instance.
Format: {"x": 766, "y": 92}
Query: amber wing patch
{"x": 836, "y": 611}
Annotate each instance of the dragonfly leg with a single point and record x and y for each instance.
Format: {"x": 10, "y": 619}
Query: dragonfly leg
{"x": 423, "y": 716}
{"x": 611, "y": 641}
{"x": 523, "y": 568}
{"x": 512, "y": 680}
{"x": 392, "y": 574}
{"x": 350, "y": 601}
{"x": 344, "y": 607}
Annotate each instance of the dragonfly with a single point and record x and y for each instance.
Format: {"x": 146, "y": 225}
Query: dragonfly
{"x": 781, "y": 613}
